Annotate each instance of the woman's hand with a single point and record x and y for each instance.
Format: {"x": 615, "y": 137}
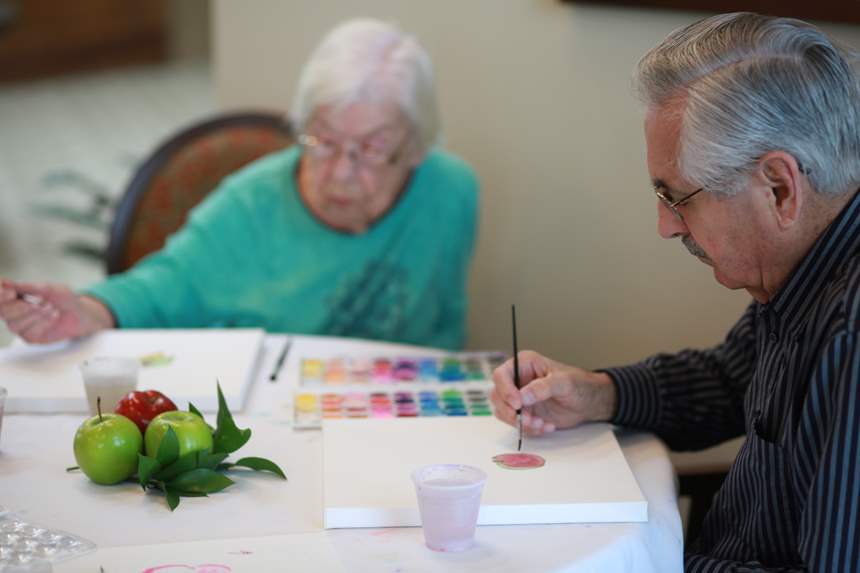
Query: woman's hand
{"x": 48, "y": 313}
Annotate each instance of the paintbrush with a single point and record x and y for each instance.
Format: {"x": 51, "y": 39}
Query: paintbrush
{"x": 517, "y": 376}
{"x": 281, "y": 358}
{"x": 29, "y": 298}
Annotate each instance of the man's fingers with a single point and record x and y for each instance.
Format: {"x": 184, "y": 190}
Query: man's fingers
{"x": 541, "y": 389}
{"x": 534, "y": 425}
{"x": 503, "y": 378}
{"x": 502, "y": 409}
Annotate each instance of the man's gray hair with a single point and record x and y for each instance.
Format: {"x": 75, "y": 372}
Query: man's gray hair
{"x": 366, "y": 60}
{"x": 753, "y": 84}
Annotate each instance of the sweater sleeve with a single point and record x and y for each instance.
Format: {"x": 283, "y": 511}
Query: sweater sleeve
{"x": 198, "y": 278}
{"x": 692, "y": 399}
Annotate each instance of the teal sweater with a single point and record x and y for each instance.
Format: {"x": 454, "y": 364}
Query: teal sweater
{"x": 251, "y": 254}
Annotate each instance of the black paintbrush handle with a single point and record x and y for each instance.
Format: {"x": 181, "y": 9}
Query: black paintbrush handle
{"x": 516, "y": 352}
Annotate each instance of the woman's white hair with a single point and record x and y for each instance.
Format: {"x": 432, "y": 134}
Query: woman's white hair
{"x": 753, "y": 84}
{"x": 365, "y": 60}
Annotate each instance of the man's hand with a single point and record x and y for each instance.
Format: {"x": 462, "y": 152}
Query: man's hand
{"x": 553, "y": 395}
{"x": 48, "y": 313}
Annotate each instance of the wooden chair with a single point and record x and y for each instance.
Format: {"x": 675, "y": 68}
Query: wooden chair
{"x": 180, "y": 173}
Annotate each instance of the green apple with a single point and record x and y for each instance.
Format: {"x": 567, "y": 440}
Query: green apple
{"x": 106, "y": 448}
{"x": 191, "y": 431}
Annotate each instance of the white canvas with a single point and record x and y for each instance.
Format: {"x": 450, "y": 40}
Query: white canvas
{"x": 46, "y": 378}
{"x": 367, "y": 466}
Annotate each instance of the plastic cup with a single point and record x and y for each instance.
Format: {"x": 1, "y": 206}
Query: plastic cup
{"x": 2, "y": 406}
{"x": 110, "y": 378}
{"x": 449, "y": 497}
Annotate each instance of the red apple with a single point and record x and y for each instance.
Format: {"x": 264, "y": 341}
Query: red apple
{"x": 142, "y": 406}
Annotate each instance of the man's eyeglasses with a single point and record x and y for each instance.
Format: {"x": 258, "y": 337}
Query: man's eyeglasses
{"x": 361, "y": 153}
{"x": 673, "y": 205}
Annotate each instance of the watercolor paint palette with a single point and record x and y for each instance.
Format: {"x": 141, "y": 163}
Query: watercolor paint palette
{"x": 455, "y": 368}
{"x": 311, "y": 408}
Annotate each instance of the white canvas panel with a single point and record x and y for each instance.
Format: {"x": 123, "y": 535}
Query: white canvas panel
{"x": 46, "y": 378}
{"x": 367, "y": 466}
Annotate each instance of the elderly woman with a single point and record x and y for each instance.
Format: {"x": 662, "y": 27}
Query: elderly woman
{"x": 364, "y": 229}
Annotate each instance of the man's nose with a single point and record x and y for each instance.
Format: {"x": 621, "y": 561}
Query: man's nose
{"x": 668, "y": 225}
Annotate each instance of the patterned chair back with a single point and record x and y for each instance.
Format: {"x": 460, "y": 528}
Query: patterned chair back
{"x": 180, "y": 173}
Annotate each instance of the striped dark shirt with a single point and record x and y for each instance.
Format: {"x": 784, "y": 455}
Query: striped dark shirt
{"x": 787, "y": 375}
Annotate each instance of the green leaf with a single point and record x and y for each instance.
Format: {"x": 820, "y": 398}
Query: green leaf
{"x": 194, "y": 410}
{"x": 168, "y": 449}
{"x": 185, "y": 463}
{"x": 146, "y": 466}
{"x": 192, "y": 494}
{"x": 258, "y": 464}
{"x": 172, "y": 498}
{"x": 228, "y": 437}
{"x": 211, "y": 461}
{"x": 199, "y": 480}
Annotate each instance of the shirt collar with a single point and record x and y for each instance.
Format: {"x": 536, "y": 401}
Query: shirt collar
{"x": 839, "y": 241}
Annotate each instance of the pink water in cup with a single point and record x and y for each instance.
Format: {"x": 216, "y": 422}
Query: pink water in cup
{"x": 449, "y": 497}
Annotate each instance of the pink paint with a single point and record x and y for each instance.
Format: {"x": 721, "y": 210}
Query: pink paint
{"x": 519, "y": 461}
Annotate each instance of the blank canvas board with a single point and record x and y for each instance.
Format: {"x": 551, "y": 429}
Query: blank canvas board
{"x": 367, "y": 466}
{"x": 46, "y": 378}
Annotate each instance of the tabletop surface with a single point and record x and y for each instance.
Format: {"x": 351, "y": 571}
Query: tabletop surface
{"x": 36, "y": 449}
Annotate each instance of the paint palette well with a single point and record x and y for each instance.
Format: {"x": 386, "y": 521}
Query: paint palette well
{"x": 311, "y": 408}
{"x": 455, "y": 368}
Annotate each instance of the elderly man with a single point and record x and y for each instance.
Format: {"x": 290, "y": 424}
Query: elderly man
{"x": 753, "y": 138}
{"x": 364, "y": 229}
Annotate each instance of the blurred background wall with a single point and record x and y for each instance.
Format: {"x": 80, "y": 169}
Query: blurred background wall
{"x": 536, "y": 95}
{"x": 88, "y": 88}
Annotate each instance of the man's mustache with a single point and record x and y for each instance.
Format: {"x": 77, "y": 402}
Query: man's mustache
{"x": 694, "y": 247}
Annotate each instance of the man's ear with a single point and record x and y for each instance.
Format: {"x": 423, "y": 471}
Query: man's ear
{"x": 779, "y": 175}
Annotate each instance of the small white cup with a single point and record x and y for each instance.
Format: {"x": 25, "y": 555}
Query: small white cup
{"x": 110, "y": 378}
{"x": 449, "y": 498}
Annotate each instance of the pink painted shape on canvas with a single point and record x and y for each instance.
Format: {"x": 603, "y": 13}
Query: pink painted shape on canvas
{"x": 519, "y": 461}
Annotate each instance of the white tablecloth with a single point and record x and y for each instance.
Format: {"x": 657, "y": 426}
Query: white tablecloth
{"x": 36, "y": 449}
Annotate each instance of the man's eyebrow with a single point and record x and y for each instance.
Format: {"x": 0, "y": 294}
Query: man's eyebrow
{"x": 660, "y": 185}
